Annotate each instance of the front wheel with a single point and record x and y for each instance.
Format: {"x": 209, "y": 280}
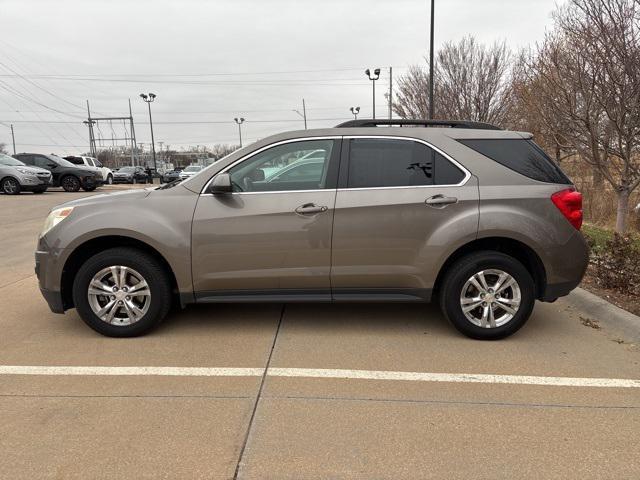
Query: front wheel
{"x": 10, "y": 186}
{"x": 70, "y": 183}
{"x": 109, "y": 179}
{"x": 487, "y": 295}
{"x": 122, "y": 292}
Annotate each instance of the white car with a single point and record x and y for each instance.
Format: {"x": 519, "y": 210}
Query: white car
{"x": 92, "y": 164}
{"x": 190, "y": 171}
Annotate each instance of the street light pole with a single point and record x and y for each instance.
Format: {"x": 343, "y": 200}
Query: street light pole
{"x": 355, "y": 111}
{"x": 13, "y": 139}
{"x": 239, "y": 121}
{"x": 149, "y": 99}
{"x": 431, "y": 109}
{"x": 376, "y": 76}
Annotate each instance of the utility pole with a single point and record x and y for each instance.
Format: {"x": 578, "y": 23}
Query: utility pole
{"x": 390, "y": 91}
{"x": 13, "y": 139}
{"x": 239, "y": 121}
{"x": 92, "y": 138}
{"x": 134, "y": 147}
{"x": 148, "y": 99}
{"x": 303, "y": 114}
{"x": 431, "y": 109}
{"x": 373, "y": 78}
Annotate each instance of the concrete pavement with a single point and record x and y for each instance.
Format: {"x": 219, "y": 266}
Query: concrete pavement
{"x": 267, "y": 426}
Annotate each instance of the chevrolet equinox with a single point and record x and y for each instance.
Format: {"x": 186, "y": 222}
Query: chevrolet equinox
{"x": 476, "y": 217}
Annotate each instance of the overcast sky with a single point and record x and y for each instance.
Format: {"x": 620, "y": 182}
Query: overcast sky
{"x": 211, "y": 61}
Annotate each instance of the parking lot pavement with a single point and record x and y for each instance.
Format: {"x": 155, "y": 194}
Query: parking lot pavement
{"x": 310, "y": 415}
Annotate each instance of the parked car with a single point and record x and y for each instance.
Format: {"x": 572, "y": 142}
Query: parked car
{"x": 64, "y": 173}
{"x": 92, "y": 164}
{"x": 170, "y": 176}
{"x": 130, "y": 175}
{"x": 477, "y": 217}
{"x": 190, "y": 171}
{"x": 16, "y": 177}
{"x": 303, "y": 169}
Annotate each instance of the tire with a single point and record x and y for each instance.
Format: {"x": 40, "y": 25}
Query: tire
{"x": 10, "y": 186}
{"x": 138, "y": 263}
{"x": 70, "y": 183}
{"x": 109, "y": 179}
{"x": 457, "y": 284}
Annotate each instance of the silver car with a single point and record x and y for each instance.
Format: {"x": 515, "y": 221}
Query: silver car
{"x": 16, "y": 177}
{"x": 478, "y": 218}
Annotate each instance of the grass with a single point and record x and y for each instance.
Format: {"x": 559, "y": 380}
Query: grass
{"x": 600, "y": 235}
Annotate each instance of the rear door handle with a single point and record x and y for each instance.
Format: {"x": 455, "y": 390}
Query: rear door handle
{"x": 310, "y": 209}
{"x": 440, "y": 201}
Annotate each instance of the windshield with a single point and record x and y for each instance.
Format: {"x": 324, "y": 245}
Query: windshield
{"x": 127, "y": 170}
{"x": 193, "y": 168}
{"x": 10, "y": 161}
{"x": 60, "y": 161}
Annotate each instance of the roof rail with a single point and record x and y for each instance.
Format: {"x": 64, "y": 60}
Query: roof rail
{"x": 419, "y": 123}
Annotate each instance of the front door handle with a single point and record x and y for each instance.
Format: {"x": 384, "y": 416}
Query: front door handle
{"x": 440, "y": 201}
{"x": 310, "y": 209}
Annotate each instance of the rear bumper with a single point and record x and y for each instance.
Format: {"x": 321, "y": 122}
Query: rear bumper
{"x": 565, "y": 268}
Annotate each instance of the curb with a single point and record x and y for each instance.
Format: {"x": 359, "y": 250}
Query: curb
{"x": 618, "y": 319}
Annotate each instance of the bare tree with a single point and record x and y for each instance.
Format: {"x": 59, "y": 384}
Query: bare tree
{"x": 471, "y": 83}
{"x": 587, "y": 79}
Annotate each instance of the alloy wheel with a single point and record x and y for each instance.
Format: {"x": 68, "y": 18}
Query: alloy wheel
{"x": 10, "y": 186}
{"x": 119, "y": 295}
{"x": 490, "y": 298}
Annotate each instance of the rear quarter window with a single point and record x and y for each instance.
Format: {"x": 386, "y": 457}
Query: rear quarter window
{"x": 520, "y": 155}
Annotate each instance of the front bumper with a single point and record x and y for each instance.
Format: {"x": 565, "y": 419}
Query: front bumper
{"x": 53, "y": 299}
{"x": 122, "y": 179}
{"x": 48, "y": 273}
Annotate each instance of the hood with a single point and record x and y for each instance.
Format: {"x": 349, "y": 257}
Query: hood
{"x": 30, "y": 168}
{"x": 126, "y": 196}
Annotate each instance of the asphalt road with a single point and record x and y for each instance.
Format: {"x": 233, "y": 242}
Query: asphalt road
{"x": 304, "y": 391}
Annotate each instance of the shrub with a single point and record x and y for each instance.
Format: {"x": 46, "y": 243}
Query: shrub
{"x": 617, "y": 264}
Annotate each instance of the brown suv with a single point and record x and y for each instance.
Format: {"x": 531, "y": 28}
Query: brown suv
{"x": 477, "y": 217}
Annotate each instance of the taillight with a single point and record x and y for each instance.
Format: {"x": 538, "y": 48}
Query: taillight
{"x": 569, "y": 202}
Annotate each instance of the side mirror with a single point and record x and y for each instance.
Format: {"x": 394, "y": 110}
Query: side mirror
{"x": 52, "y": 165}
{"x": 220, "y": 184}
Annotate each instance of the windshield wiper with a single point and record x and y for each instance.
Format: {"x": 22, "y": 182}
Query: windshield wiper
{"x": 171, "y": 184}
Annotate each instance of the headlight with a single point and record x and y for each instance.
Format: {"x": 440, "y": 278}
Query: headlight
{"x": 24, "y": 171}
{"x": 54, "y": 218}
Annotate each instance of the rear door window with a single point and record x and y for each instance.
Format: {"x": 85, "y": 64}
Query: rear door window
{"x": 378, "y": 162}
{"x": 520, "y": 155}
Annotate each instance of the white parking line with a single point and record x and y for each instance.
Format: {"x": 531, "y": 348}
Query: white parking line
{"x": 131, "y": 371}
{"x": 322, "y": 373}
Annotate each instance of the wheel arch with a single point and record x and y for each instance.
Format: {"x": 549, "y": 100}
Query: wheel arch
{"x": 515, "y": 248}
{"x": 97, "y": 244}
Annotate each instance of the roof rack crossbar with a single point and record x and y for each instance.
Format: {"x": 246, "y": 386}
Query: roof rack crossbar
{"x": 420, "y": 123}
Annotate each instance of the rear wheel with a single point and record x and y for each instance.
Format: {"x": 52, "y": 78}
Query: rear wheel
{"x": 487, "y": 295}
{"x": 122, "y": 292}
{"x": 10, "y": 186}
{"x": 109, "y": 179}
{"x": 70, "y": 183}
